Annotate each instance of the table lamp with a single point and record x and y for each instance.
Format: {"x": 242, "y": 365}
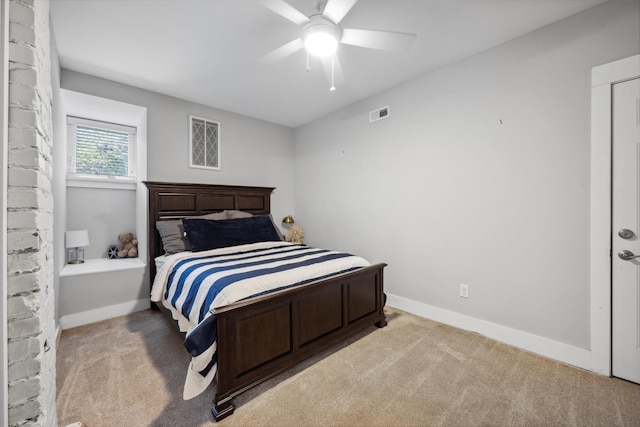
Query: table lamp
{"x": 288, "y": 220}
{"x": 76, "y": 239}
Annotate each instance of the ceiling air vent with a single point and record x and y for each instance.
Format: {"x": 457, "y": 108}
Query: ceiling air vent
{"x": 379, "y": 114}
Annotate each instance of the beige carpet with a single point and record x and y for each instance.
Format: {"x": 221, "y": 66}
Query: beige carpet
{"x": 129, "y": 371}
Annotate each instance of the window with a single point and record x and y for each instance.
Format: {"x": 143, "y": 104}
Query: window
{"x": 204, "y": 143}
{"x": 100, "y": 150}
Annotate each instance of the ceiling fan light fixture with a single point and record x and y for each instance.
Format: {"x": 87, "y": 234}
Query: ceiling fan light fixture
{"x": 320, "y": 44}
{"x": 321, "y": 36}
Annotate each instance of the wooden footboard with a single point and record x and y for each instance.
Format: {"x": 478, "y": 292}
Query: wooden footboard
{"x": 260, "y": 338}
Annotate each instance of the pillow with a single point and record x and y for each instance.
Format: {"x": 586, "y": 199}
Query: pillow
{"x": 233, "y": 214}
{"x": 172, "y": 232}
{"x": 205, "y": 234}
{"x": 280, "y": 236}
{"x": 214, "y": 216}
{"x": 172, "y": 235}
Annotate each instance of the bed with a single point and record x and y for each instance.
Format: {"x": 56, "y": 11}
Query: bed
{"x": 259, "y": 337}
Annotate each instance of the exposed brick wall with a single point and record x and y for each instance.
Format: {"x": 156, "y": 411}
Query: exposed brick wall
{"x": 30, "y": 305}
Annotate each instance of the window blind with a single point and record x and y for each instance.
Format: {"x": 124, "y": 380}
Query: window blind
{"x": 100, "y": 149}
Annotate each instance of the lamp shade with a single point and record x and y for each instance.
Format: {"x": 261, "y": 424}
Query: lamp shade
{"x": 76, "y": 238}
{"x": 288, "y": 219}
{"x": 321, "y": 36}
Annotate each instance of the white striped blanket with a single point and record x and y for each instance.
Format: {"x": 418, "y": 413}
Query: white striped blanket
{"x": 193, "y": 284}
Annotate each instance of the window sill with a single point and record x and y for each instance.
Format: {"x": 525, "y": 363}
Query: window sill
{"x": 101, "y": 265}
{"x": 101, "y": 183}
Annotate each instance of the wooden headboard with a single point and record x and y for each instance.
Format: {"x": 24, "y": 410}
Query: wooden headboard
{"x": 174, "y": 201}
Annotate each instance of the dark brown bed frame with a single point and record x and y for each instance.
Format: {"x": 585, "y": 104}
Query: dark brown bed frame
{"x": 264, "y": 336}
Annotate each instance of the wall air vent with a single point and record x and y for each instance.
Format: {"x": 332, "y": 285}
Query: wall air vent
{"x": 379, "y": 114}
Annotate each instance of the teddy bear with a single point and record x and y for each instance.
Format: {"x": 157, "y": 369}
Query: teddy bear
{"x": 128, "y": 246}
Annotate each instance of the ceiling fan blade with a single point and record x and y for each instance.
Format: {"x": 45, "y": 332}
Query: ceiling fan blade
{"x": 335, "y": 10}
{"x": 338, "y": 74}
{"x": 382, "y": 40}
{"x": 285, "y": 10}
{"x": 282, "y": 52}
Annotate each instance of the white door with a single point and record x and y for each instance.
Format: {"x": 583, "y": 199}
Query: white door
{"x": 625, "y": 267}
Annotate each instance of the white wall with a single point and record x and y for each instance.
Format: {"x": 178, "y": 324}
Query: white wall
{"x": 253, "y": 152}
{"x": 480, "y": 176}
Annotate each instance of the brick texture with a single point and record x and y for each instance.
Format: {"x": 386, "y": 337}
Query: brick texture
{"x": 30, "y": 305}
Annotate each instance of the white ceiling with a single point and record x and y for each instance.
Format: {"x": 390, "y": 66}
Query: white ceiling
{"x": 209, "y": 51}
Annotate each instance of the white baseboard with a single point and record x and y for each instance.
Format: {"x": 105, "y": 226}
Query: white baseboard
{"x": 103, "y": 313}
{"x": 536, "y": 344}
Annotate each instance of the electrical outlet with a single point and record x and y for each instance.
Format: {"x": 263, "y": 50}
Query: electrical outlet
{"x": 464, "y": 290}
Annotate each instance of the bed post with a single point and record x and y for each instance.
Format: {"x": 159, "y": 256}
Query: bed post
{"x": 222, "y": 410}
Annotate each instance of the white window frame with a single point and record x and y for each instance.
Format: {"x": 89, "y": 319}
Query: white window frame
{"x": 100, "y": 181}
{"x": 191, "y": 143}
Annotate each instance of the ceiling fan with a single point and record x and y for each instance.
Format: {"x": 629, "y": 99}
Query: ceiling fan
{"x": 321, "y": 33}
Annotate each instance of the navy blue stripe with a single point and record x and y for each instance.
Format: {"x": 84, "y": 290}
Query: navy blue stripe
{"x": 202, "y": 336}
{"x": 206, "y": 370}
{"x": 212, "y": 259}
{"x": 189, "y": 300}
{"x": 304, "y": 282}
{"x": 235, "y": 264}
{"x": 225, "y": 281}
{"x": 209, "y": 260}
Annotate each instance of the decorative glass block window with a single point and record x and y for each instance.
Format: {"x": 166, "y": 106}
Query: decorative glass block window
{"x": 100, "y": 150}
{"x": 204, "y": 143}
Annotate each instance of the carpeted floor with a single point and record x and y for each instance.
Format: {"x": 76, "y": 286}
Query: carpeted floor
{"x": 129, "y": 371}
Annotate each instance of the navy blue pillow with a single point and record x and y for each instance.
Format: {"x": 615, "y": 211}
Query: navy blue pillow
{"x": 205, "y": 234}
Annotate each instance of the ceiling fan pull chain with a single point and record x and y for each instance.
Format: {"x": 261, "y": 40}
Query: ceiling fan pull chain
{"x": 308, "y": 66}
{"x": 333, "y": 87}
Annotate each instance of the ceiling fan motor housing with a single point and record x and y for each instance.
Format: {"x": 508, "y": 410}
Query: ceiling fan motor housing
{"x": 321, "y": 36}
{"x": 320, "y": 5}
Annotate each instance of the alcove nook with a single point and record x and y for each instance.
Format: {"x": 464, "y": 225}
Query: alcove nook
{"x": 100, "y": 288}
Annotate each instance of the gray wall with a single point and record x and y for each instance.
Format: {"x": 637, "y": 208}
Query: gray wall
{"x": 253, "y": 152}
{"x": 480, "y": 176}
{"x": 105, "y": 213}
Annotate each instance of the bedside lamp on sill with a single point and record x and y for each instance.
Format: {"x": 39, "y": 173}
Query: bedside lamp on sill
{"x": 288, "y": 220}
{"x": 76, "y": 241}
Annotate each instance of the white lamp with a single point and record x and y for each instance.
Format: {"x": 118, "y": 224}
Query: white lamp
{"x": 76, "y": 239}
{"x": 321, "y": 36}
